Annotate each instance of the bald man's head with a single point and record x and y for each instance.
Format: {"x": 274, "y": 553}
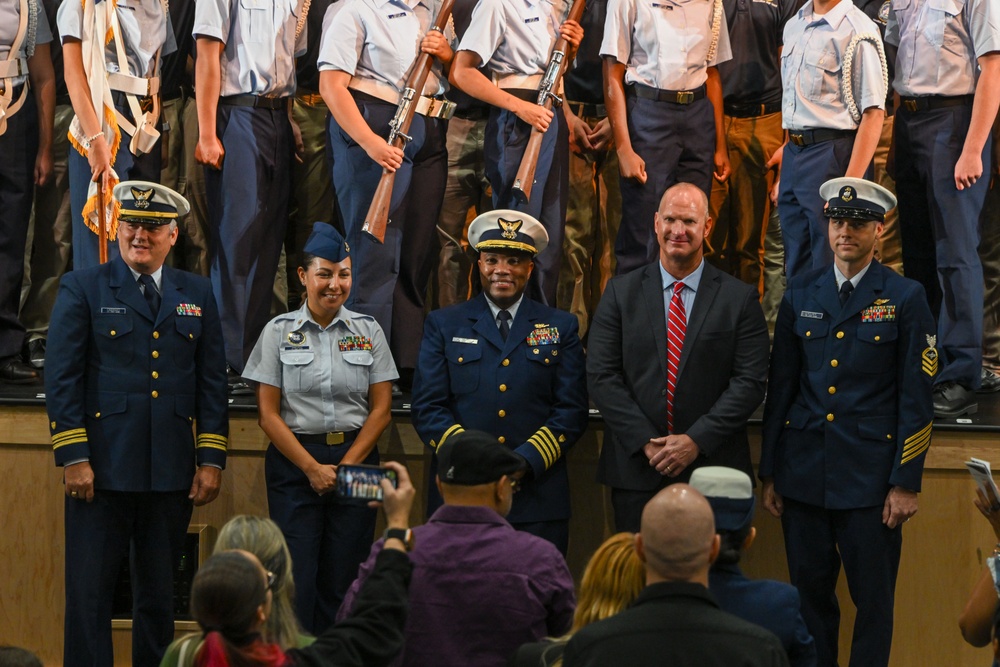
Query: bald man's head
{"x": 681, "y": 225}
{"x": 677, "y": 537}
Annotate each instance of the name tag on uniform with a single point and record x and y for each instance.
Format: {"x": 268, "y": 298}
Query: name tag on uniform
{"x": 397, "y": 16}
{"x": 470, "y": 341}
{"x": 114, "y": 311}
{"x": 536, "y": 19}
{"x": 811, "y": 315}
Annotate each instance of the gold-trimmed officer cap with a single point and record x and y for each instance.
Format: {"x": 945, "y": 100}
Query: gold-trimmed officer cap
{"x": 149, "y": 203}
{"x": 856, "y": 199}
{"x": 505, "y": 229}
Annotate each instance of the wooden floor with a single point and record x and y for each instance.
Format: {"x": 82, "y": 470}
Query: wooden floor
{"x": 944, "y": 545}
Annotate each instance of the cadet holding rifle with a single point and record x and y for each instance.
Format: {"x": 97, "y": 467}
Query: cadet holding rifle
{"x": 515, "y": 41}
{"x": 368, "y": 51}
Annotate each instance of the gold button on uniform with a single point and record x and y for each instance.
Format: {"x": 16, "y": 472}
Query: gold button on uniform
{"x": 548, "y": 360}
{"x": 878, "y": 338}
{"x": 156, "y": 355}
{"x": 555, "y": 353}
{"x": 156, "y": 334}
{"x": 97, "y": 415}
{"x": 840, "y": 334}
{"x": 503, "y": 387}
{"x": 809, "y": 333}
{"x": 833, "y": 362}
{"x": 832, "y": 390}
{"x": 535, "y": 351}
{"x": 829, "y": 417}
{"x": 156, "y": 394}
{"x": 501, "y": 439}
{"x": 461, "y": 359}
{"x": 888, "y": 436}
{"x": 506, "y": 362}
{"x": 502, "y": 413}
{"x": 114, "y": 333}
{"x": 155, "y": 375}
{"x": 191, "y": 336}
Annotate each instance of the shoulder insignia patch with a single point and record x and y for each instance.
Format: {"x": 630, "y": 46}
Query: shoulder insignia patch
{"x": 929, "y": 357}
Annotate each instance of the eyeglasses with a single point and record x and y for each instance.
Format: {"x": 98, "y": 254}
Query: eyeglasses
{"x": 271, "y": 577}
{"x": 515, "y": 485}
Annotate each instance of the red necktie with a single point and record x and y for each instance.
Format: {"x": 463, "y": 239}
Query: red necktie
{"x": 676, "y": 328}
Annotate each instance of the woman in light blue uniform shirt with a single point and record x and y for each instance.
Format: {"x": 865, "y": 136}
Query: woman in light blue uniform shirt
{"x": 324, "y": 392}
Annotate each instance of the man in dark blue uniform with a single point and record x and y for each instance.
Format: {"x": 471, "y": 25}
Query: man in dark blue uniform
{"x": 509, "y": 366}
{"x": 773, "y": 605}
{"x": 847, "y": 423}
{"x": 135, "y": 360}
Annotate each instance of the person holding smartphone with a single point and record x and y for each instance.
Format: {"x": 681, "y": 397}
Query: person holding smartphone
{"x": 324, "y": 377}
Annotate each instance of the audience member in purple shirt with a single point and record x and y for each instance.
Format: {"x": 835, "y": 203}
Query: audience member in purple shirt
{"x": 480, "y": 589}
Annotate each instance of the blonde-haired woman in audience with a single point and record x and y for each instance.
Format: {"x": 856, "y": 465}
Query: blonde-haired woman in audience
{"x": 611, "y": 582}
{"x": 263, "y": 538}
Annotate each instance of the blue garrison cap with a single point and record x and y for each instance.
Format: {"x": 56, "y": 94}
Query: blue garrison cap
{"x": 326, "y": 242}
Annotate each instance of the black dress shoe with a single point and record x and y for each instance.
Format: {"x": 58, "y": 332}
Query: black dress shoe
{"x": 15, "y": 371}
{"x": 989, "y": 383}
{"x": 953, "y": 400}
{"x": 36, "y": 354}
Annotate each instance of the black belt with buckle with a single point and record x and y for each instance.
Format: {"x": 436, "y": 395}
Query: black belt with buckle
{"x": 750, "y": 110}
{"x": 525, "y": 94}
{"x": 587, "y": 110}
{"x": 255, "y": 101}
{"x": 333, "y": 438}
{"x": 672, "y": 96}
{"x": 810, "y": 137}
{"x": 474, "y": 113}
{"x": 932, "y": 102}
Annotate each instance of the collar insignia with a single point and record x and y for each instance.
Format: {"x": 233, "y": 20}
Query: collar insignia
{"x": 510, "y": 228}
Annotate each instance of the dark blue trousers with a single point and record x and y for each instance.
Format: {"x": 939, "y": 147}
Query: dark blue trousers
{"x": 817, "y": 541}
{"x": 677, "y": 143}
{"x": 248, "y": 214}
{"x": 391, "y": 278}
{"x": 940, "y": 232}
{"x": 19, "y": 147}
{"x": 129, "y": 168}
{"x": 804, "y": 228}
{"x": 328, "y": 537}
{"x": 505, "y": 139}
{"x": 151, "y": 529}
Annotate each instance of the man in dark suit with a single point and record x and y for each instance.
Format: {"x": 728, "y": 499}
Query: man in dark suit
{"x": 510, "y": 366}
{"x": 674, "y": 402}
{"x": 848, "y": 422}
{"x": 675, "y": 621}
{"x": 135, "y": 361}
{"x": 773, "y": 605}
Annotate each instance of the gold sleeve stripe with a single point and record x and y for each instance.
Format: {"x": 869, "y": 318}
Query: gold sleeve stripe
{"x": 543, "y": 448}
{"x": 71, "y": 433}
{"x": 552, "y": 439}
{"x": 916, "y": 444}
{"x": 454, "y": 429}
{"x": 919, "y": 434}
{"x": 211, "y": 437}
{"x": 915, "y": 453}
{"x": 212, "y": 445}
{"x": 70, "y": 441}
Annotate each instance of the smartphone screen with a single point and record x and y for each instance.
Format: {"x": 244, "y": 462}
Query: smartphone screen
{"x": 362, "y": 482}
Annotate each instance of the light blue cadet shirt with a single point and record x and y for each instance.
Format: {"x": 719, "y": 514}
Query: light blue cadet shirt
{"x": 379, "y": 40}
{"x": 665, "y": 44}
{"x": 939, "y": 42}
{"x": 323, "y": 374}
{"x": 812, "y": 61}
{"x": 260, "y": 52}
{"x": 145, "y": 27}
{"x": 10, "y": 18}
{"x": 515, "y": 37}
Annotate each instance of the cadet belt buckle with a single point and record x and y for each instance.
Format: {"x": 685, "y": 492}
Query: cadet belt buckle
{"x": 911, "y": 105}
{"x": 685, "y": 97}
{"x": 335, "y": 438}
{"x": 797, "y": 139}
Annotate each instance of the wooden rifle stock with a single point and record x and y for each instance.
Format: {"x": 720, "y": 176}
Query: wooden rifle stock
{"x": 558, "y": 62}
{"x": 378, "y": 213}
